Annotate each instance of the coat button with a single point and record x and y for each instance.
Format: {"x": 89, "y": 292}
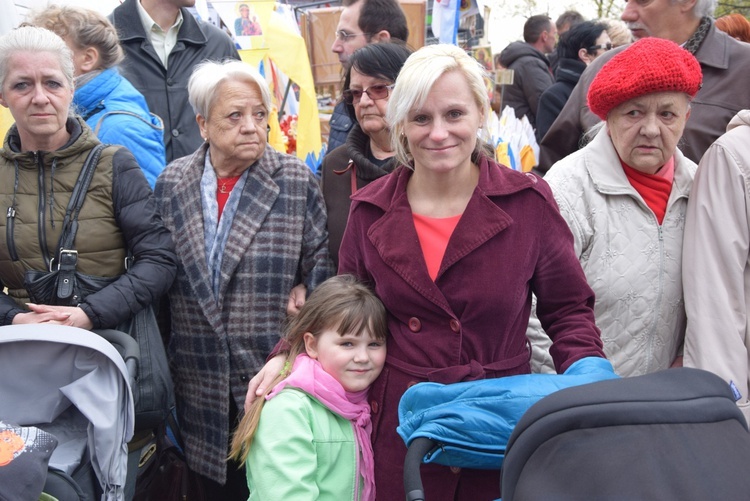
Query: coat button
{"x": 244, "y": 378}
{"x": 455, "y": 469}
{"x": 455, "y": 325}
{"x": 374, "y": 406}
{"x": 414, "y": 324}
{"x": 175, "y": 132}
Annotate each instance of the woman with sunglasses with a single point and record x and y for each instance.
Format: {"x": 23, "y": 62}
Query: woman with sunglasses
{"x": 367, "y": 153}
{"x": 577, "y": 48}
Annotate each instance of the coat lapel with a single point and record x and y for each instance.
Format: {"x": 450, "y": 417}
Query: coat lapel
{"x": 191, "y": 246}
{"x": 480, "y": 222}
{"x": 395, "y": 237}
{"x": 395, "y": 240}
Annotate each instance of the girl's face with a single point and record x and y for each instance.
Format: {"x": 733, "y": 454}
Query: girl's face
{"x": 355, "y": 361}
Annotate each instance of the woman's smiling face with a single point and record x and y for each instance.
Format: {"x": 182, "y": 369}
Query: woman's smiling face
{"x": 442, "y": 134}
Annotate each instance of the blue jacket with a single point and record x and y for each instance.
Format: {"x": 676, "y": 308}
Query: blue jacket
{"x": 118, "y": 114}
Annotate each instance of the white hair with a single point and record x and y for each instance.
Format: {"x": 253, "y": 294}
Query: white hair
{"x": 208, "y": 75}
{"x": 35, "y": 39}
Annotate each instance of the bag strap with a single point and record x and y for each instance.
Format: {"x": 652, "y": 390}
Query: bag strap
{"x": 70, "y": 223}
{"x": 67, "y": 256}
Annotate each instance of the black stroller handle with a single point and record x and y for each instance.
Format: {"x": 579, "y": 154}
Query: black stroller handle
{"x": 412, "y": 477}
{"x": 128, "y": 349}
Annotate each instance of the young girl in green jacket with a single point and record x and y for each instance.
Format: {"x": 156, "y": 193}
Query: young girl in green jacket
{"x": 309, "y": 438}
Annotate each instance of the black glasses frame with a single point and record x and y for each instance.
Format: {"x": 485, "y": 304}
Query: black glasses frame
{"x": 605, "y": 46}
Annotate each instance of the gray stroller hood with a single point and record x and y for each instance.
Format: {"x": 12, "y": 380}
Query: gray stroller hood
{"x": 49, "y": 373}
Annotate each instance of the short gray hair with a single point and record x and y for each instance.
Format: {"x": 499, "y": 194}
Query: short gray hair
{"x": 703, "y": 8}
{"x": 208, "y": 75}
{"x": 34, "y": 39}
{"x": 420, "y": 72}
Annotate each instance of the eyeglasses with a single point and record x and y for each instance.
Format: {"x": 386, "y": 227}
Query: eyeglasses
{"x": 344, "y": 36}
{"x": 374, "y": 92}
{"x": 604, "y": 46}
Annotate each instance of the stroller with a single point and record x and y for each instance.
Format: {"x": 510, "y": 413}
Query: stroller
{"x": 468, "y": 424}
{"x": 75, "y": 385}
{"x": 671, "y": 435}
{"x": 675, "y": 434}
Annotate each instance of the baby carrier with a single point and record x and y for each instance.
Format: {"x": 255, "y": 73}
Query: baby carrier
{"x": 74, "y": 385}
{"x": 671, "y": 435}
{"x": 468, "y": 424}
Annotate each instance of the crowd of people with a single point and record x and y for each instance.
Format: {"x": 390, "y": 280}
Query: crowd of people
{"x": 298, "y": 307}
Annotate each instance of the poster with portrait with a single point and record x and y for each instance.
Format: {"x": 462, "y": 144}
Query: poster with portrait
{"x": 483, "y": 54}
{"x": 246, "y": 20}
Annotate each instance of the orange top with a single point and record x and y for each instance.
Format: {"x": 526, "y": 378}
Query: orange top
{"x": 434, "y": 233}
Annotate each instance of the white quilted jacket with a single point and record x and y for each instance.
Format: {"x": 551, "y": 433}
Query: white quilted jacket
{"x": 632, "y": 263}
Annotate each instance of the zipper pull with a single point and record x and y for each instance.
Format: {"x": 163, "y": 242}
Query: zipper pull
{"x": 11, "y": 213}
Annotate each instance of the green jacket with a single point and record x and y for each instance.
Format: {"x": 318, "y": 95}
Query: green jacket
{"x": 301, "y": 451}
{"x": 118, "y": 215}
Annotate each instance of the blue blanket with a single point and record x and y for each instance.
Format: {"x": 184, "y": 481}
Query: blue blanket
{"x": 472, "y": 421}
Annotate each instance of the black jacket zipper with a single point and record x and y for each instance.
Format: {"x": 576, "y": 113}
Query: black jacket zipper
{"x": 42, "y": 221}
{"x": 9, "y": 227}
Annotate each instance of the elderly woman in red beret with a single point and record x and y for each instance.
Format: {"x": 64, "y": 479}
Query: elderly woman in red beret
{"x": 624, "y": 197}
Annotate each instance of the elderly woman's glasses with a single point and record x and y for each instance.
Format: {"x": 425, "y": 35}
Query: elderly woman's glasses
{"x": 603, "y": 46}
{"x": 344, "y": 36}
{"x": 374, "y": 92}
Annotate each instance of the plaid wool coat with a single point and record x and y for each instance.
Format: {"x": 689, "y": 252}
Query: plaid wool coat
{"x": 277, "y": 240}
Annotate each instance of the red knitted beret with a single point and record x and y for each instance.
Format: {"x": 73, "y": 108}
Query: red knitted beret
{"x": 648, "y": 65}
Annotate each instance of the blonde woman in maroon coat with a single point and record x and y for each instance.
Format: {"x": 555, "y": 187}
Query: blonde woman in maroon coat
{"x": 454, "y": 245}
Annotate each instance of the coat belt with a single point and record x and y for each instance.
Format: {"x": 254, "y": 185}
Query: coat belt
{"x": 466, "y": 372}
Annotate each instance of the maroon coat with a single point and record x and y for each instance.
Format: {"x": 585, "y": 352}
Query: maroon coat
{"x": 470, "y": 323}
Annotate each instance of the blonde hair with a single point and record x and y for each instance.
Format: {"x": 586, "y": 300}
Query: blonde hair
{"x": 420, "y": 72}
{"x": 618, "y": 31}
{"x": 82, "y": 28}
{"x": 340, "y": 303}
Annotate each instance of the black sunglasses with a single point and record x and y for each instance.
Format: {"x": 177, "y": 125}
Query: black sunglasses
{"x": 374, "y": 92}
{"x": 605, "y": 46}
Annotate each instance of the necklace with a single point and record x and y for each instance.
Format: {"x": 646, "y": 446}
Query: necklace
{"x": 226, "y": 184}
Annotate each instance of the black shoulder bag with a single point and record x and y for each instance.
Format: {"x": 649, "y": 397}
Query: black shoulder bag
{"x": 62, "y": 285}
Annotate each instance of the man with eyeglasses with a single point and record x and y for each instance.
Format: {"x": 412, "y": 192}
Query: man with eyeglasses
{"x": 362, "y": 22}
{"x": 725, "y": 63}
{"x": 531, "y": 68}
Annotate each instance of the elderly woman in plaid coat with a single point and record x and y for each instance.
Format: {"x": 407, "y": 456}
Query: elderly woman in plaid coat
{"x": 249, "y": 228}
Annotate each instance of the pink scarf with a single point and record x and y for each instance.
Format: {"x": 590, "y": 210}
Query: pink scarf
{"x": 308, "y": 375}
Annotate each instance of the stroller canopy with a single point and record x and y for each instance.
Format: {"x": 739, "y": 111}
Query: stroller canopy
{"x": 48, "y": 372}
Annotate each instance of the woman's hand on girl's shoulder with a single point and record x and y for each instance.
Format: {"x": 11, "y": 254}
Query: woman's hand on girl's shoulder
{"x": 260, "y": 382}
{"x": 296, "y": 300}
